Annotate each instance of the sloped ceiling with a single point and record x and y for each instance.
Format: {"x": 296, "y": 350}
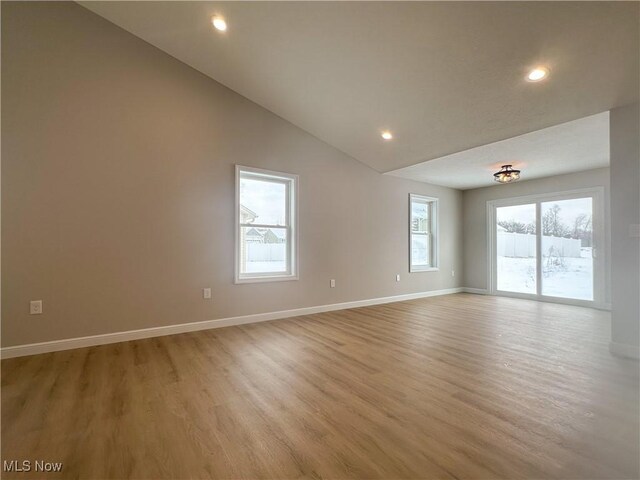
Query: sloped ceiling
{"x": 442, "y": 76}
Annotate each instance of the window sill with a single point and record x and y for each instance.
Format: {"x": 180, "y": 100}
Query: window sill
{"x": 269, "y": 278}
{"x": 423, "y": 269}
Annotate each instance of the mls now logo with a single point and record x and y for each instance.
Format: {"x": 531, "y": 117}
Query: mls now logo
{"x": 27, "y": 466}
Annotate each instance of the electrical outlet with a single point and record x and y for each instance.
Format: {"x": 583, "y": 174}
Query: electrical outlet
{"x": 332, "y": 283}
{"x": 453, "y": 273}
{"x": 35, "y": 307}
{"x": 397, "y": 278}
{"x": 206, "y": 293}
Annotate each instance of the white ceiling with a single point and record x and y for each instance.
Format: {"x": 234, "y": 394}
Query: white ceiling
{"x": 442, "y": 76}
{"x": 570, "y": 147}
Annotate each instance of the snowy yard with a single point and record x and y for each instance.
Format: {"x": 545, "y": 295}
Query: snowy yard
{"x": 261, "y": 267}
{"x": 517, "y": 274}
{"x": 266, "y": 257}
{"x": 571, "y": 278}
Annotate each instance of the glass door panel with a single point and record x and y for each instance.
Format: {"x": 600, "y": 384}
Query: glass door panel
{"x": 567, "y": 241}
{"x": 516, "y": 248}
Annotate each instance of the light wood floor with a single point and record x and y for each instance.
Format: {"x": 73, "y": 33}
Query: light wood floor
{"x": 458, "y": 386}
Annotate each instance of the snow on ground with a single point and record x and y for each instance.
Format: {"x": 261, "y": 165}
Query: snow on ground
{"x": 517, "y": 274}
{"x": 569, "y": 277}
{"x": 575, "y": 280}
{"x": 261, "y": 267}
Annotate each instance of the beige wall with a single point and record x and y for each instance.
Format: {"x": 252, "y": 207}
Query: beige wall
{"x": 625, "y": 212}
{"x": 475, "y": 217}
{"x": 117, "y": 190}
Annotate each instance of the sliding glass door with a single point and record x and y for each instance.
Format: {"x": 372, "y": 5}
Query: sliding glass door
{"x": 567, "y": 248}
{"x": 545, "y": 246}
{"x": 516, "y": 248}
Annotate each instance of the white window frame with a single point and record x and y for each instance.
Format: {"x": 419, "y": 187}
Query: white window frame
{"x": 432, "y": 202}
{"x": 600, "y": 254}
{"x": 291, "y": 225}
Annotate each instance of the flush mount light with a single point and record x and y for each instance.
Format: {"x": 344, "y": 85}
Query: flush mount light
{"x": 537, "y": 74}
{"x": 507, "y": 174}
{"x": 386, "y": 135}
{"x": 219, "y": 23}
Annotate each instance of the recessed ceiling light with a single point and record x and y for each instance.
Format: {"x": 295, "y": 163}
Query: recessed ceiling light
{"x": 219, "y": 23}
{"x": 386, "y": 135}
{"x": 537, "y": 74}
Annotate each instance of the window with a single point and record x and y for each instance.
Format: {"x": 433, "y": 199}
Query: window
{"x": 423, "y": 233}
{"x": 545, "y": 246}
{"x": 265, "y": 225}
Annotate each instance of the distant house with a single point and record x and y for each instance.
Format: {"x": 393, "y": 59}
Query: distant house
{"x": 277, "y": 236}
{"x": 265, "y": 235}
{"x": 253, "y": 236}
{"x": 256, "y": 234}
{"x": 247, "y": 215}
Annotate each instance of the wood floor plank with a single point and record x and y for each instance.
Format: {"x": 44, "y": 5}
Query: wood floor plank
{"x": 452, "y": 387}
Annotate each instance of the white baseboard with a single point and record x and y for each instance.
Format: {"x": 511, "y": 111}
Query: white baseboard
{"x": 80, "y": 342}
{"x": 625, "y": 350}
{"x": 477, "y": 291}
{"x": 579, "y": 303}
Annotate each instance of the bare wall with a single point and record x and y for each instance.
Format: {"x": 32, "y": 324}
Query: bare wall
{"x": 475, "y": 217}
{"x": 625, "y": 216}
{"x": 118, "y": 189}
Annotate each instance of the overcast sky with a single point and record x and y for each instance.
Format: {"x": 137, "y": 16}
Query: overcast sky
{"x": 266, "y": 199}
{"x": 569, "y": 210}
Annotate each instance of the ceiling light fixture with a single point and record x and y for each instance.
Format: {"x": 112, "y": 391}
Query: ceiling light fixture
{"x": 386, "y": 135}
{"x": 537, "y": 74}
{"x": 507, "y": 174}
{"x": 219, "y": 23}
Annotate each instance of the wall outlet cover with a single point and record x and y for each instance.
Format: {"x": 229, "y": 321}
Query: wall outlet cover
{"x": 35, "y": 307}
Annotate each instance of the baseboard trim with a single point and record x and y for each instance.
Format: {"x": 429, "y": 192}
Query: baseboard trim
{"x": 477, "y": 291}
{"x": 81, "y": 342}
{"x": 624, "y": 350}
{"x": 577, "y": 303}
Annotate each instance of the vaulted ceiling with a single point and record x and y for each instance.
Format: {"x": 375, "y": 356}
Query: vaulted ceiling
{"x": 443, "y": 77}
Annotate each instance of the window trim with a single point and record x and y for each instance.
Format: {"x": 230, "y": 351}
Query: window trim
{"x": 435, "y": 234}
{"x": 291, "y": 182}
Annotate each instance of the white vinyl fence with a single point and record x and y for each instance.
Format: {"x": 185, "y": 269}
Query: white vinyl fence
{"x": 523, "y": 245}
{"x": 266, "y": 252}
